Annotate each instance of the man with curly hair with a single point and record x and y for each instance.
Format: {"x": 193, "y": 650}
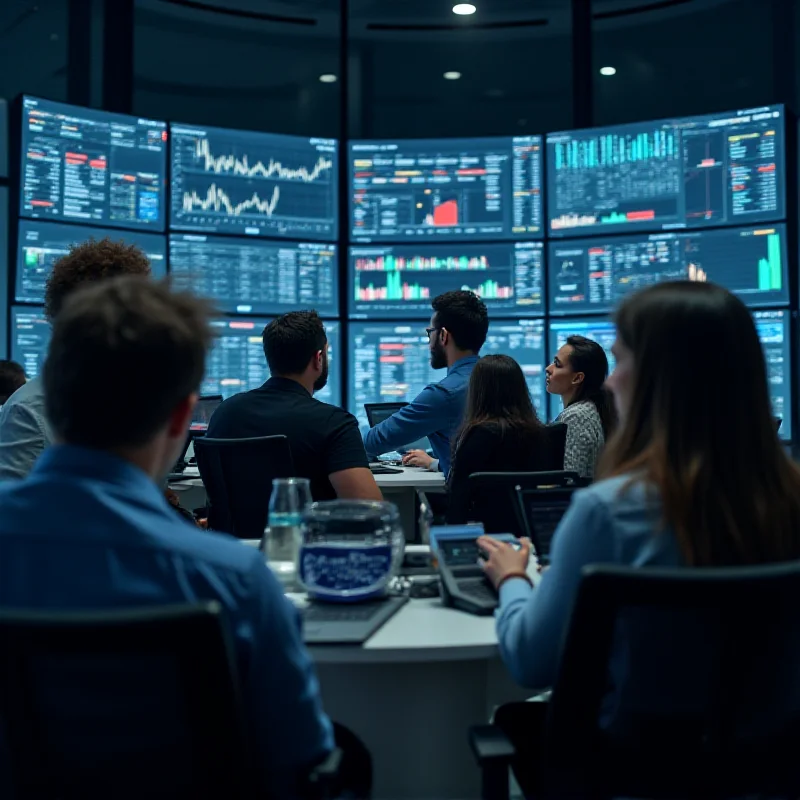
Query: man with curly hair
{"x": 24, "y": 429}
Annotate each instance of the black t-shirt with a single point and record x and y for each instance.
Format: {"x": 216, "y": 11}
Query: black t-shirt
{"x": 323, "y": 439}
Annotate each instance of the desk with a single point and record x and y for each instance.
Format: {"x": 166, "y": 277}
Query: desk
{"x": 411, "y": 693}
{"x": 399, "y": 488}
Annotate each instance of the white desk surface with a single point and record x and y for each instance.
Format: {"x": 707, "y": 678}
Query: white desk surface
{"x": 423, "y": 630}
{"x": 409, "y": 478}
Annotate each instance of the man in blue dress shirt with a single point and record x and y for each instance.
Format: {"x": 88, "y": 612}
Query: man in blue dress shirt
{"x": 90, "y": 529}
{"x": 456, "y": 334}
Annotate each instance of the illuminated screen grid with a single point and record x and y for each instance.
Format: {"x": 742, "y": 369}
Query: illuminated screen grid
{"x": 711, "y": 170}
{"x": 236, "y": 362}
{"x": 773, "y": 331}
{"x": 390, "y": 361}
{"x": 594, "y": 275}
{"x": 30, "y": 338}
{"x": 399, "y": 281}
{"x": 92, "y": 167}
{"x": 446, "y": 189}
{"x": 253, "y": 183}
{"x": 41, "y": 244}
{"x": 252, "y": 276}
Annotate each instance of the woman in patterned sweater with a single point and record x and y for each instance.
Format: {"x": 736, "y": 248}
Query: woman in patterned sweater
{"x": 577, "y": 375}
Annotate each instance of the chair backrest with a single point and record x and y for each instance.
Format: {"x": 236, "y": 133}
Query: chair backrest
{"x": 679, "y": 683}
{"x": 550, "y": 456}
{"x": 497, "y": 497}
{"x": 238, "y": 474}
{"x": 122, "y": 704}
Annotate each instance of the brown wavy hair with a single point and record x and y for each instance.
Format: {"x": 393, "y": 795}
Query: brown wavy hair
{"x": 706, "y": 443}
{"x": 89, "y": 262}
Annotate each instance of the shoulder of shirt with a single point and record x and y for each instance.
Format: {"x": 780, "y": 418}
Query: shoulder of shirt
{"x": 583, "y": 409}
{"x": 217, "y": 550}
{"x": 619, "y": 496}
{"x": 30, "y": 395}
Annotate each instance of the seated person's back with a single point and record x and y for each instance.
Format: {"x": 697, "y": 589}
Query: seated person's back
{"x": 324, "y": 440}
{"x": 501, "y": 433}
{"x": 458, "y": 329}
{"x": 24, "y": 428}
{"x": 90, "y": 529}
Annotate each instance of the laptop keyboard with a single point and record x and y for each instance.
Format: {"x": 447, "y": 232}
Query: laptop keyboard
{"x": 477, "y": 589}
{"x": 329, "y": 612}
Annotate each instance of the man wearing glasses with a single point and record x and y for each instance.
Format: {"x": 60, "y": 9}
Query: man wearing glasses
{"x": 458, "y": 329}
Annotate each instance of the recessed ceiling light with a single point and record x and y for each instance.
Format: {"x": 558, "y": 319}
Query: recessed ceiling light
{"x": 464, "y": 9}
{"x": 327, "y": 78}
{"x": 608, "y": 70}
{"x": 452, "y": 76}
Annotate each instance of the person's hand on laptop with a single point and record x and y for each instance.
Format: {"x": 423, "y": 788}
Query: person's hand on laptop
{"x": 417, "y": 458}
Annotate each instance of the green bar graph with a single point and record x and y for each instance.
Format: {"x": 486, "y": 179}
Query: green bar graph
{"x": 770, "y": 274}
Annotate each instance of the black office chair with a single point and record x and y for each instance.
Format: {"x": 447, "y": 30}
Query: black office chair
{"x": 122, "y": 704}
{"x": 709, "y": 703}
{"x": 237, "y": 475}
{"x": 499, "y": 504}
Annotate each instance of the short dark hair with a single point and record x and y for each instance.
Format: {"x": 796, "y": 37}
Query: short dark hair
{"x": 123, "y": 354}
{"x": 465, "y": 316}
{"x": 290, "y": 341}
{"x": 89, "y": 262}
{"x": 12, "y": 376}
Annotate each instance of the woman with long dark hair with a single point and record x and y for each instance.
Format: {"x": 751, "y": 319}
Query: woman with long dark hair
{"x": 577, "y": 374}
{"x": 695, "y": 477}
{"x": 500, "y": 433}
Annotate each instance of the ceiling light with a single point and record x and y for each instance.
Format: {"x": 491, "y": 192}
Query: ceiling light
{"x": 452, "y": 76}
{"x": 464, "y": 9}
{"x": 327, "y": 78}
{"x": 608, "y": 70}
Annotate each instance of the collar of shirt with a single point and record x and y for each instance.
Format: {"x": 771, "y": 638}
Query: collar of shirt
{"x": 99, "y": 466}
{"x": 286, "y": 385}
{"x": 462, "y": 362}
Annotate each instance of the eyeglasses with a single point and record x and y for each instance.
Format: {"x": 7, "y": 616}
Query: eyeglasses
{"x": 429, "y": 331}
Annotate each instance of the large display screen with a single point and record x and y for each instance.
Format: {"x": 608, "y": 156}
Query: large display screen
{"x": 252, "y": 183}
{"x": 236, "y": 362}
{"x": 30, "y": 338}
{"x": 84, "y": 165}
{"x": 773, "y": 331}
{"x": 41, "y": 244}
{"x": 254, "y": 276}
{"x": 446, "y": 188}
{"x": 401, "y": 280}
{"x": 589, "y": 275}
{"x": 390, "y": 362}
{"x": 711, "y": 170}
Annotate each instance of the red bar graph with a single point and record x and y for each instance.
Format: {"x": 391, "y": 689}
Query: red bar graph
{"x": 446, "y": 213}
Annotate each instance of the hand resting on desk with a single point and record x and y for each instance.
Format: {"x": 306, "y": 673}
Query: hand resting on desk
{"x": 417, "y": 458}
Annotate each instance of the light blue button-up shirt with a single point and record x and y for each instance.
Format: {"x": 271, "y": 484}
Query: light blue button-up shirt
{"x": 436, "y": 412}
{"x": 87, "y": 530}
{"x": 24, "y": 430}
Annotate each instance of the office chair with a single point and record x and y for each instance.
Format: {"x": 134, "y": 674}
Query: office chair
{"x": 499, "y": 502}
{"x": 122, "y": 704}
{"x": 238, "y": 474}
{"x": 707, "y": 700}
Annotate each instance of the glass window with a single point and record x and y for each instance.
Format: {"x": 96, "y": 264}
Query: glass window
{"x": 425, "y": 72}
{"x": 692, "y": 58}
{"x": 238, "y": 66}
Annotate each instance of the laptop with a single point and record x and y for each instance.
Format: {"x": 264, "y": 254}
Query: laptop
{"x": 350, "y": 623}
{"x": 201, "y": 416}
{"x": 542, "y": 510}
{"x": 378, "y": 412}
